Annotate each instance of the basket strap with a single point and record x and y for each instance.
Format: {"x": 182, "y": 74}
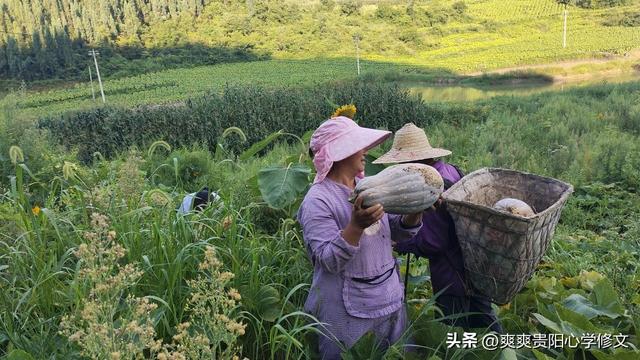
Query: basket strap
{"x": 468, "y": 288}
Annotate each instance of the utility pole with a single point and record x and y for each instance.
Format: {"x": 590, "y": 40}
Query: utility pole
{"x": 93, "y": 93}
{"x": 94, "y": 53}
{"x": 356, "y": 39}
{"x": 564, "y": 32}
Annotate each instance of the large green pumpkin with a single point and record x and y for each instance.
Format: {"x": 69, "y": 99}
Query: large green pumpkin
{"x": 401, "y": 189}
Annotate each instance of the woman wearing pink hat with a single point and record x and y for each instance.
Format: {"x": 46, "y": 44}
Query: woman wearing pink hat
{"x": 356, "y": 287}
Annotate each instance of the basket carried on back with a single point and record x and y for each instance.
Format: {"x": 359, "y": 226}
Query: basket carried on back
{"x": 501, "y": 250}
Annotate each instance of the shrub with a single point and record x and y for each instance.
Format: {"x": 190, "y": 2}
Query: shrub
{"x": 256, "y": 110}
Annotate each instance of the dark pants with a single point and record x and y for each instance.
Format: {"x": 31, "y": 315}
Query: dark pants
{"x": 456, "y": 305}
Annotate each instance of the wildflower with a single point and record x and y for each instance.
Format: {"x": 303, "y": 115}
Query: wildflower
{"x": 226, "y": 276}
{"x": 90, "y": 236}
{"x": 226, "y": 222}
{"x": 210, "y": 259}
{"x": 222, "y": 318}
{"x": 75, "y": 337}
{"x": 16, "y": 155}
{"x": 131, "y": 178}
{"x": 236, "y": 327}
{"x": 36, "y": 210}
{"x": 157, "y": 346}
{"x": 99, "y": 221}
{"x": 345, "y": 110}
{"x": 234, "y": 294}
{"x": 158, "y": 198}
{"x": 69, "y": 170}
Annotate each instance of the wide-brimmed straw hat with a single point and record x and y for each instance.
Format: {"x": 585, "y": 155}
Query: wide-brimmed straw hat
{"x": 411, "y": 144}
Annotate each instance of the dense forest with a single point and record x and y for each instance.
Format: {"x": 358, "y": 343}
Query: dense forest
{"x": 42, "y": 39}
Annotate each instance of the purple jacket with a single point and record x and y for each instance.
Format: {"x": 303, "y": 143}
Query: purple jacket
{"x": 437, "y": 241}
{"x": 324, "y": 212}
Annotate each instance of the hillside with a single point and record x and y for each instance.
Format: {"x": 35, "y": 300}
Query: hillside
{"x": 45, "y": 39}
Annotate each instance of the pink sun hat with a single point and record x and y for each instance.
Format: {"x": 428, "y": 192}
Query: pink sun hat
{"x": 338, "y": 138}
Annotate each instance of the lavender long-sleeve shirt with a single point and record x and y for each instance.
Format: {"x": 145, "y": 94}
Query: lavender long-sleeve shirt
{"x": 324, "y": 213}
{"x": 437, "y": 241}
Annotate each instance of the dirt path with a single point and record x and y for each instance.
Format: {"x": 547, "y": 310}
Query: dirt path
{"x": 633, "y": 55}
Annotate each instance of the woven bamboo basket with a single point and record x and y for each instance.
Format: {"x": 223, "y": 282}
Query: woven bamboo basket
{"x": 501, "y": 251}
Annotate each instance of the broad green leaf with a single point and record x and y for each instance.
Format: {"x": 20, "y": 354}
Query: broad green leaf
{"x": 371, "y": 169}
{"x": 588, "y": 279}
{"x": 539, "y": 355}
{"x": 18, "y": 354}
{"x": 571, "y": 282}
{"x": 260, "y": 145}
{"x": 268, "y": 303}
{"x": 607, "y": 298}
{"x": 280, "y": 186}
{"x": 617, "y": 355}
{"x": 547, "y": 323}
{"x": 573, "y": 323}
{"x": 264, "y": 303}
{"x": 581, "y": 305}
{"x": 508, "y": 354}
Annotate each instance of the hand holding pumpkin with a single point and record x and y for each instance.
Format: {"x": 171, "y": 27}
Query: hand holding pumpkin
{"x": 360, "y": 220}
{"x": 365, "y": 217}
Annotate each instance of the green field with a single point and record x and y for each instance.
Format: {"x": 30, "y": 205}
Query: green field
{"x": 60, "y": 301}
{"x": 490, "y": 34}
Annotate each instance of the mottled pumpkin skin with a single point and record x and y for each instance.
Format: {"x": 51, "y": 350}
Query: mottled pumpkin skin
{"x": 515, "y": 207}
{"x": 401, "y": 189}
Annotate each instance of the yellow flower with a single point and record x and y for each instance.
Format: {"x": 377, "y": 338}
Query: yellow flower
{"x": 345, "y": 110}
{"x": 36, "y": 210}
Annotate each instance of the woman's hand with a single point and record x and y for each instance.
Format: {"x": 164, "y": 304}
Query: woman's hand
{"x": 360, "y": 220}
{"x": 365, "y": 217}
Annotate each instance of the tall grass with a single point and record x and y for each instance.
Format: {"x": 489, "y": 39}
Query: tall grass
{"x": 587, "y": 137}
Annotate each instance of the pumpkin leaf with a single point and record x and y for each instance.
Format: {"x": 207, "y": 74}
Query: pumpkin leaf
{"x": 606, "y": 298}
{"x": 583, "y": 306}
{"x": 573, "y": 323}
{"x": 539, "y": 355}
{"x": 547, "y": 323}
{"x": 589, "y": 279}
{"x": 508, "y": 354}
{"x": 280, "y": 186}
{"x": 617, "y": 355}
{"x": 263, "y": 302}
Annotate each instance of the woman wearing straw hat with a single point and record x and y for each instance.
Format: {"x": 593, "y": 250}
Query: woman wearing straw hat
{"x": 437, "y": 238}
{"x": 356, "y": 287}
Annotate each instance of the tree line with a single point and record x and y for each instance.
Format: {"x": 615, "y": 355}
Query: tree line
{"x": 48, "y": 38}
